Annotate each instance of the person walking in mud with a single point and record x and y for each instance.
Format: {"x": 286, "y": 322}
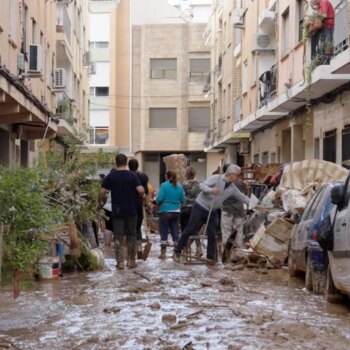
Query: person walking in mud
{"x": 126, "y": 191}
{"x": 213, "y": 194}
{"x": 232, "y": 214}
{"x": 133, "y": 165}
{"x": 169, "y": 199}
{"x": 192, "y": 189}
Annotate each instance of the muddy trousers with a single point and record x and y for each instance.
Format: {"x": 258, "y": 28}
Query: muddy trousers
{"x": 139, "y": 223}
{"x": 198, "y": 218}
{"x": 169, "y": 221}
{"x": 124, "y": 226}
{"x": 229, "y": 224}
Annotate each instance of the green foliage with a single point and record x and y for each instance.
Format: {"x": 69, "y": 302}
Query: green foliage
{"x": 73, "y": 181}
{"x": 26, "y": 213}
{"x": 63, "y": 186}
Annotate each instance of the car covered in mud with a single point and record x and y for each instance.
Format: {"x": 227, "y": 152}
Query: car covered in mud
{"x": 338, "y": 269}
{"x": 305, "y": 254}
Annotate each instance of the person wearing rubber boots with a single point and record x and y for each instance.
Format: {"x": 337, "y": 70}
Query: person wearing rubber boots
{"x": 214, "y": 192}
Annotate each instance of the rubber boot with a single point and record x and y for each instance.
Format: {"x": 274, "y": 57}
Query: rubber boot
{"x": 162, "y": 251}
{"x": 139, "y": 250}
{"x": 131, "y": 263}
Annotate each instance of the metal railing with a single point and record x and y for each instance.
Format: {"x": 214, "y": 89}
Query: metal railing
{"x": 341, "y": 28}
{"x": 64, "y": 23}
{"x": 322, "y": 50}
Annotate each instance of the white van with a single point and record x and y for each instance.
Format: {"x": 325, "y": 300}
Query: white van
{"x": 338, "y": 272}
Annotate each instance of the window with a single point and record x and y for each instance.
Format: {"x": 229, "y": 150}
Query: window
{"x": 346, "y": 143}
{"x": 265, "y": 158}
{"x": 99, "y": 91}
{"x": 311, "y": 205}
{"x": 199, "y": 70}
{"x": 285, "y": 32}
{"x": 198, "y": 119}
{"x": 329, "y": 145}
{"x": 99, "y": 45}
{"x": 99, "y": 135}
{"x": 245, "y": 77}
{"x": 162, "y": 118}
{"x": 256, "y": 158}
{"x": 163, "y": 68}
{"x": 273, "y": 157}
{"x": 33, "y": 31}
{"x": 317, "y": 148}
{"x": 24, "y": 31}
{"x": 300, "y": 20}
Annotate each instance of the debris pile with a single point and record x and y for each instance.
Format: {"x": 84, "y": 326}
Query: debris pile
{"x": 263, "y": 238}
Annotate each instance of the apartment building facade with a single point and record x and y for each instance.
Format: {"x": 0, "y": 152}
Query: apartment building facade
{"x": 100, "y": 77}
{"x": 41, "y": 47}
{"x": 224, "y": 89}
{"x": 161, "y": 65}
{"x": 294, "y": 103}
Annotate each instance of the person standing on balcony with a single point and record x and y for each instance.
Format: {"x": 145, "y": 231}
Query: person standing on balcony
{"x": 326, "y": 8}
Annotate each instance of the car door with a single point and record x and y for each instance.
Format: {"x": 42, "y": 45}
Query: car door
{"x": 302, "y": 231}
{"x": 340, "y": 257}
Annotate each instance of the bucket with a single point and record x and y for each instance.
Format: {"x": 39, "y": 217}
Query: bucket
{"x": 49, "y": 268}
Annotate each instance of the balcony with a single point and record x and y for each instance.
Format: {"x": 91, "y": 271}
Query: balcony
{"x": 63, "y": 24}
{"x": 268, "y": 85}
{"x": 267, "y": 21}
{"x": 337, "y": 52}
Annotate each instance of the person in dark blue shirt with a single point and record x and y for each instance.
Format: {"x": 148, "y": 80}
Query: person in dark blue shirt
{"x": 126, "y": 191}
{"x": 133, "y": 165}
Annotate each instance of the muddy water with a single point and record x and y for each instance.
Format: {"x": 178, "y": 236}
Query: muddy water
{"x": 209, "y": 307}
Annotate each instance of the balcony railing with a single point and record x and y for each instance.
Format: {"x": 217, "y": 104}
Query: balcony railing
{"x": 342, "y": 28}
{"x": 63, "y": 24}
{"x": 322, "y": 49}
{"x": 268, "y": 85}
{"x": 64, "y": 107}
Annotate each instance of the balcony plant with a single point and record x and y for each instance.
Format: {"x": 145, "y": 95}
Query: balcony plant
{"x": 312, "y": 24}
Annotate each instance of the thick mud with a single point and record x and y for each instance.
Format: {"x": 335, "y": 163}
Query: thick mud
{"x": 165, "y": 305}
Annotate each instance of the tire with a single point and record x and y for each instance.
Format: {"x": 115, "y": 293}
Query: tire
{"x": 331, "y": 292}
{"x": 308, "y": 274}
{"x": 291, "y": 265}
{"x": 319, "y": 282}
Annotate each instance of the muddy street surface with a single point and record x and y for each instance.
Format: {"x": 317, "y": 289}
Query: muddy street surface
{"x": 164, "y": 305}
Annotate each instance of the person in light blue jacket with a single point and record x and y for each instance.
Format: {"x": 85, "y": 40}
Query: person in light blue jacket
{"x": 169, "y": 199}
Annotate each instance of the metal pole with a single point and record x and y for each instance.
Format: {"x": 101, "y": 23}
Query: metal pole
{"x": 212, "y": 201}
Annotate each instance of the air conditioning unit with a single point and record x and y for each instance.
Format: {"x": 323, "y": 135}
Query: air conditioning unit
{"x": 60, "y": 78}
{"x": 87, "y": 58}
{"x": 92, "y": 68}
{"x": 238, "y": 17}
{"x": 263, "y": 42}
{"x": 35, "y": 59}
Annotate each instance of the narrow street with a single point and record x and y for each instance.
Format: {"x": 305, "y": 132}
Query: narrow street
{"x": 194, "y": 305}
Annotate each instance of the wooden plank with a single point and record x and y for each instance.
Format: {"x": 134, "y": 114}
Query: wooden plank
{"x": 1, "y": 246}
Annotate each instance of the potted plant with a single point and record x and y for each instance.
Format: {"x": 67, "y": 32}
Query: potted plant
{"x": 314, "y": 23}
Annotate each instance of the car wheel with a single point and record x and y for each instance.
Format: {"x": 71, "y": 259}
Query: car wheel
{"x": 331, "y": 292}
{"x": 291, "y": 265}
{"x": 308, "y": 274}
